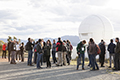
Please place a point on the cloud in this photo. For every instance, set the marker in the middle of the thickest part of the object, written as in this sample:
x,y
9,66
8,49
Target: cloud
x,y
43,18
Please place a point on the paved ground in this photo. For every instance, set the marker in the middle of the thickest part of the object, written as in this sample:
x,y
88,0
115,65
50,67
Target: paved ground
x,y
21,71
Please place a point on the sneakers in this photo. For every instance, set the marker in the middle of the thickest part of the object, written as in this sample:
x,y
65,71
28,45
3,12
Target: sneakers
x,y
19,60
16,61
83,69
109,67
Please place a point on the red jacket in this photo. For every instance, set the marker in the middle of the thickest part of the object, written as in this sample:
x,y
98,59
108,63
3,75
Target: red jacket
x,y
4,47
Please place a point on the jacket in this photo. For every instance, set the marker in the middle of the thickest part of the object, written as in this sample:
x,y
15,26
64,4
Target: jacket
x,y
39,49
54,47
13,46
47,49
81,48
92,48
117,48
4,47
8,46
111,48
29,45
59,46
102,48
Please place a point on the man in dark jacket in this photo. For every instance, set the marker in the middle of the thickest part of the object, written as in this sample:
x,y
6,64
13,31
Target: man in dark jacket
x,y
29,47
81,53
102,54
111,49
39,53
117,55
9,50
59,52
13,49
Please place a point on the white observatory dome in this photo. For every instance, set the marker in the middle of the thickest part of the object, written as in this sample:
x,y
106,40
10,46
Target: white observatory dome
x,y
97,27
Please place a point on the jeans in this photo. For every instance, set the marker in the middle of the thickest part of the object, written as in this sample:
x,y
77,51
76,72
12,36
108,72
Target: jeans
x,y
30,57
35,57
38,60
93,61
89,60
110,56
83,59
54,56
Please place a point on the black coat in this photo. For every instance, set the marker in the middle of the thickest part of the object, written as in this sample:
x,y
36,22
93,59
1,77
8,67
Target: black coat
x,y
39,48
102,48
111,48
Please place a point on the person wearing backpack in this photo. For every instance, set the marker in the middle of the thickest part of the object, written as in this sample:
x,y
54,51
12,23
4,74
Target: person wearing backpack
x,y
64,52
93,52
59,52
39,50
81,53
111,49
68,56
102,54
29,47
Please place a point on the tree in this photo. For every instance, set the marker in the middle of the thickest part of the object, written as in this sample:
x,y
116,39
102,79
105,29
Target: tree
x,y
9,38
14,38
1,43
19,40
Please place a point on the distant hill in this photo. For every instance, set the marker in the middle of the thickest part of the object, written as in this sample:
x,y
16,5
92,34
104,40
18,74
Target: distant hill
x,y
73,39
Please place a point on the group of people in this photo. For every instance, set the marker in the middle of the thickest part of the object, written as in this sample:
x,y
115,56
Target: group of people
x,y
42,52
15,50
93,50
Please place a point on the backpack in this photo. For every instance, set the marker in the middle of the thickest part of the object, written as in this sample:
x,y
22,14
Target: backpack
x,y
26,47
59,46
64,49
98,49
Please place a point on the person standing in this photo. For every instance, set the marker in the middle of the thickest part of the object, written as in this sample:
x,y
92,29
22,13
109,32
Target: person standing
x,y
89,55
64,52
18,51
39,50
4,50
35,52
13,51
54,52
47,54
68,56
81,53
9,50
102,54
117,55
111,49
29,47
93,52
59,52
22,51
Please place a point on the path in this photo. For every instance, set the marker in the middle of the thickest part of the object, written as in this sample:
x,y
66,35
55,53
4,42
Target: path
x,y
21,71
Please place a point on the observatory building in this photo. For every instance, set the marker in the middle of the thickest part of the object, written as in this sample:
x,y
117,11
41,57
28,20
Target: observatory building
x,y
97,27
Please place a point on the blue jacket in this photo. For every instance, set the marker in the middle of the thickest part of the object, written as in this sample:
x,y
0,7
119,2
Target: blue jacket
x,y
111,48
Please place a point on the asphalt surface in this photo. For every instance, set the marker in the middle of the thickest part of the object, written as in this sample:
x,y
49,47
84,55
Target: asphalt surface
x,y
21,71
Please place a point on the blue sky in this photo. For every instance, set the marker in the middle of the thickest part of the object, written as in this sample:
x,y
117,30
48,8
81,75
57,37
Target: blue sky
x,y
52,18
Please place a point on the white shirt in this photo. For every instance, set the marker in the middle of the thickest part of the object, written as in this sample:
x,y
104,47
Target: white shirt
x,y
17,47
